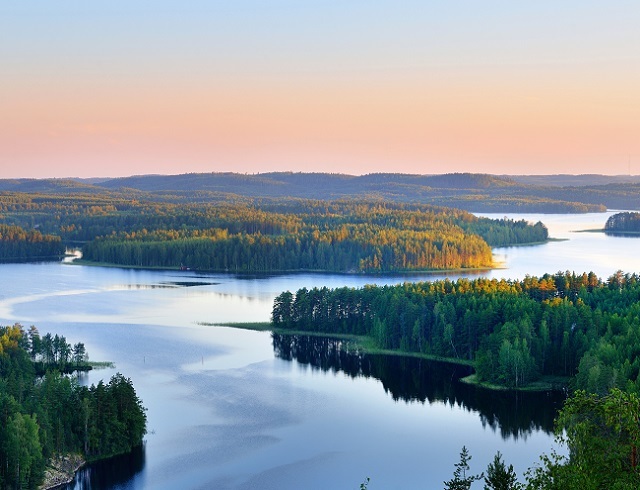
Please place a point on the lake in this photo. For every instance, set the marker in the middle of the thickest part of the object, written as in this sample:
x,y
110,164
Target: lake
x,y
236,409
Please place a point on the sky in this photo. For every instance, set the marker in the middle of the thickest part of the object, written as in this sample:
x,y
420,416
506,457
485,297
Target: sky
x,y
108,88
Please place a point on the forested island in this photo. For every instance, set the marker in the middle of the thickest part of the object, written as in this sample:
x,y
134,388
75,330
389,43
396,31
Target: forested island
x,y
320,236
46,415
513,332
626,222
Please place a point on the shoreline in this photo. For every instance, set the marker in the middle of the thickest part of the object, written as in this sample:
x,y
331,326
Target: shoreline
x,y
91,263
364,344
610,232
78,260
61,470
545,383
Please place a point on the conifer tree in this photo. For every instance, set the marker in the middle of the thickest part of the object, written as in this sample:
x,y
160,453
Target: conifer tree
x,y
460,480
500,477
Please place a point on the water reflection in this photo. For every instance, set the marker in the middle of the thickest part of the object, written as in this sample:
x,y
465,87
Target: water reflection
x,y
622,235
117,472
161,285
514,414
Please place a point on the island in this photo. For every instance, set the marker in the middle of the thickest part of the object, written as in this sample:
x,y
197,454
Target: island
x,y
623,223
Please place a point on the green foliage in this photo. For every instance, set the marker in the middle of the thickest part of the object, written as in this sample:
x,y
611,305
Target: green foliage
x,y
115,418
40,417
553,473
342,237
564,324
501,477
461,480
53,352
602,434
18,244
623,223
23,452
266,235
506,232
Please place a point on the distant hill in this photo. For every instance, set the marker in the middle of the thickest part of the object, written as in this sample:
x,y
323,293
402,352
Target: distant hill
x,y
471,192
300,183
48,186
583,180
397,187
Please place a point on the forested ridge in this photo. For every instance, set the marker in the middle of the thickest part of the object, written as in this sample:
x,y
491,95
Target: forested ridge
x,y
43,416
269,235
513,331
472,192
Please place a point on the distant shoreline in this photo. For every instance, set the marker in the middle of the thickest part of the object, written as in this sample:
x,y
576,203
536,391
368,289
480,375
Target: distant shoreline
x,y
610,232
290,271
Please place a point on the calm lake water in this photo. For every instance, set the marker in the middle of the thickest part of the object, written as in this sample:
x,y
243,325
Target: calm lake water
x,y
234,409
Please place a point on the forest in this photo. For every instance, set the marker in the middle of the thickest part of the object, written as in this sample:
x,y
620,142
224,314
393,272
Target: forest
x,y
17,244
513,332
337,237
47,414
626,222
271,235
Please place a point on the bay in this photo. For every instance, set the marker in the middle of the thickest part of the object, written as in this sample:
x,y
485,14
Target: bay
x,y
235,409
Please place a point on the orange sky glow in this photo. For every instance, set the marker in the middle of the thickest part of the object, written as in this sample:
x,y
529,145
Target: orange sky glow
x,y
426,113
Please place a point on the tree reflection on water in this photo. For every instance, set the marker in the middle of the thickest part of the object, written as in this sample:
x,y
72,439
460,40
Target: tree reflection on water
x,y
515,414
118,471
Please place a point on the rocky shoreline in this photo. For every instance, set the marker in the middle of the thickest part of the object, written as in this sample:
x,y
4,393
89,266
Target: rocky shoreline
x,y
61,470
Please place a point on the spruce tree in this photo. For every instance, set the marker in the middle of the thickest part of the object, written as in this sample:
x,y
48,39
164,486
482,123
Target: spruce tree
x,y
460,479
499,477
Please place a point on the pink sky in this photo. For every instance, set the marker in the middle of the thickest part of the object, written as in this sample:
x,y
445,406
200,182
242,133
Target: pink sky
x,y
115,91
